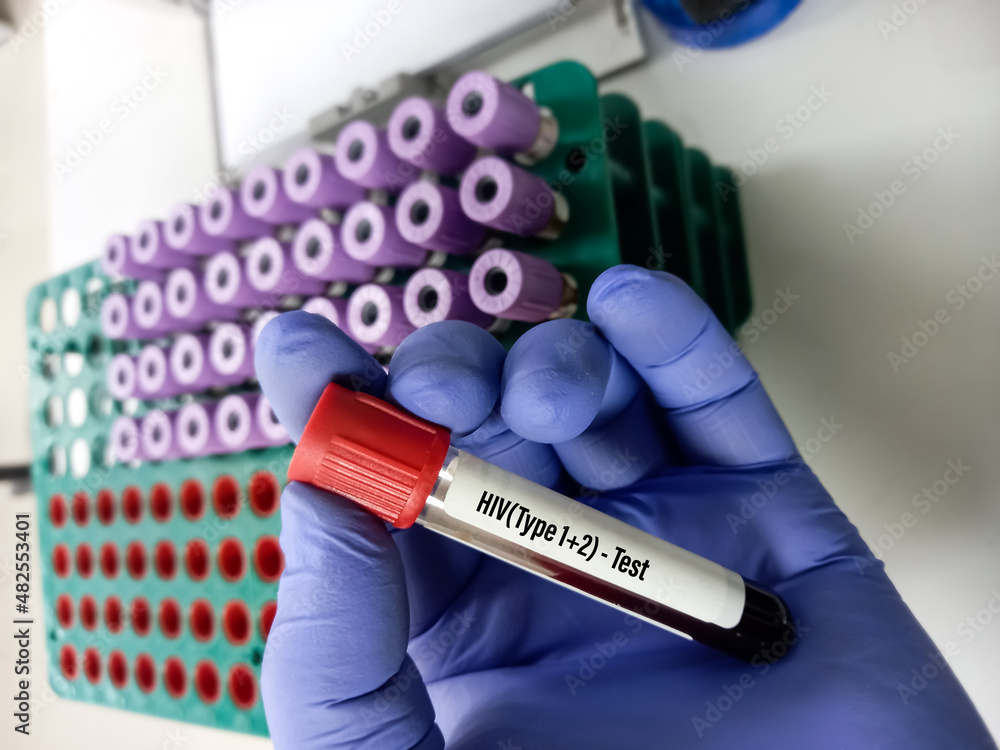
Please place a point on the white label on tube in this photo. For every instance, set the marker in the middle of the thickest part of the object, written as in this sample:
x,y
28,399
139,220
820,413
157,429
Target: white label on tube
x,y
592,542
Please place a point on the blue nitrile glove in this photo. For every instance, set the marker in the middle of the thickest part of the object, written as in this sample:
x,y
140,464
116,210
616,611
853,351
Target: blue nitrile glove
x,y
379,633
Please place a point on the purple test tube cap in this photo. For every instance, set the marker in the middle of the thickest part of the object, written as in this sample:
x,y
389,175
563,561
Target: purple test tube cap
x,y
493,114
124,445
270,270
121,377
420,134
223,216
117,261
149,248
515,285
318,252
370,235
363,155
500,195
196,430
184,233
431,216
263,197
312,179
230,352
116,319
435,294
375,316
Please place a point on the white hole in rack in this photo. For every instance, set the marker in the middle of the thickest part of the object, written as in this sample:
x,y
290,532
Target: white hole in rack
x,y
94,285
130,406
57,461
73,362
76,407
70,307
79,458
54,411
48,315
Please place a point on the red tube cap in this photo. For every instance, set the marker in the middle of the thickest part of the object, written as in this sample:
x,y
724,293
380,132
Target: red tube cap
x,y
375,454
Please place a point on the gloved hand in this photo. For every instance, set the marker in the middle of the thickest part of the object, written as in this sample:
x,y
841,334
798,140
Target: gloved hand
x,y
658,414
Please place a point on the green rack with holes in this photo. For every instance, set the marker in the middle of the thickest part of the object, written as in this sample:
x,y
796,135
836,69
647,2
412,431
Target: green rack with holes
x,y
159,580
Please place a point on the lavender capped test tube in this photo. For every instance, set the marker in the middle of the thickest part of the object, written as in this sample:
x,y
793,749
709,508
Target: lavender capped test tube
x,y
419,133
187,300
370,234
333,309
312,179
116,318
150,248
230,353
226,282
158,436
117,262
318,252
431,216
184,233
375,316
270,429
223,216
149,310
263,197
153,376
121,377
191,367
498,116
270,270
363,155
196,430
505,197
518,286
236,424
124,445
434,294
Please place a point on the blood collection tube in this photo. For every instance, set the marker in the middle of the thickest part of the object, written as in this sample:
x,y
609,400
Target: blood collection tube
x,y
190,366
226,282
519,286
150,248
230,354
116,318
270,270
121,377
149,310
318,252
363,155
124,445
236,423
196,431
117,262
404,470
498,116
312,179
370,235
500,195
157,434
263,197
187,300
434,294
184,233
333,309
375,316
266,421
153,375
419,133
223,216
431,216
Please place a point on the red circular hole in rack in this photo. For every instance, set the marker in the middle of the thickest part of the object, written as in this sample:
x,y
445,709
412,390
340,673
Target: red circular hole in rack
x,y
264,493
139,614
92,665
88,612
84,560
117,669
206,681
161,502
201,620
67,662
61,560
226,497
81,508
267,613
132,504
236,622
64,611
105,507
196,559
232,561
170,618
268,560
165,559
242,686
113,614
192,500
174,677
145,673
58,510
109,560
135,559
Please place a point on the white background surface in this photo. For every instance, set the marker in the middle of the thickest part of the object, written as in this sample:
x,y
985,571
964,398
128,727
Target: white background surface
x,y
826,358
